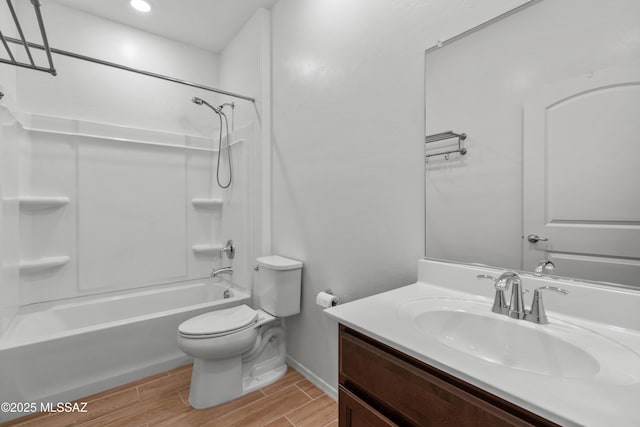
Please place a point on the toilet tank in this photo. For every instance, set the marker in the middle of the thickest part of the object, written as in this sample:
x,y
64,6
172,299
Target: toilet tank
x,y
279,284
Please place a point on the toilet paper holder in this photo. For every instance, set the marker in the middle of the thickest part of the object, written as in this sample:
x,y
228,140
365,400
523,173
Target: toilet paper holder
x,y
326,299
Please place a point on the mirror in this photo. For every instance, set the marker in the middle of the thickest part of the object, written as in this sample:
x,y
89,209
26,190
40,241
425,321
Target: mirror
x,y
548,97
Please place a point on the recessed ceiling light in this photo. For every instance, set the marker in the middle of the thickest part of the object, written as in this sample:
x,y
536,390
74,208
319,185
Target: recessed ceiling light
x,y
140,5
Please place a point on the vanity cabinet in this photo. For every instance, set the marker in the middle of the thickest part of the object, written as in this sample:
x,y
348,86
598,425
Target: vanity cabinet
x,y
380,386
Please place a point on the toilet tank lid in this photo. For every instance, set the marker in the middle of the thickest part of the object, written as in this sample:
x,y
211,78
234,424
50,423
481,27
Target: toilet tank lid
x,y
277,262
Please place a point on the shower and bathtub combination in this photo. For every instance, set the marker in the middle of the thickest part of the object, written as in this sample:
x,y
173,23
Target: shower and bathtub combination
x,y
58,352
85,325
113,219
85,337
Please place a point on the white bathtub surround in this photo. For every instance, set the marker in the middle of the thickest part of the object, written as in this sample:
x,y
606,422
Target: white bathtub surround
x,y
66,350
84,230
9,212
84,227
594,331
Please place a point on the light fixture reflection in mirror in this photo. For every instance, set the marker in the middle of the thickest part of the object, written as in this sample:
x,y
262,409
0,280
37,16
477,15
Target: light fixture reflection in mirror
x,y
141,5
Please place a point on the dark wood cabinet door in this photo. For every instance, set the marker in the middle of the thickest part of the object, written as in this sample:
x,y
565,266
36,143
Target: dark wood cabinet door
x,y
412,393
354,412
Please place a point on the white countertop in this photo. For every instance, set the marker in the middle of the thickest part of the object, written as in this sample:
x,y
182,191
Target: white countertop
x,y
611,397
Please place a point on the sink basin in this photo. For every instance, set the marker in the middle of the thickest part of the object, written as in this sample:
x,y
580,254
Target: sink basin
x,y
470,327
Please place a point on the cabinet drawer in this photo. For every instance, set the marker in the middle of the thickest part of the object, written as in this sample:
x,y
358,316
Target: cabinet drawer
x,y
413,393
354,412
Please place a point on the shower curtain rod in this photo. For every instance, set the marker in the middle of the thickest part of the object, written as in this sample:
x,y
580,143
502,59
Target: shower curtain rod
x,y
130,69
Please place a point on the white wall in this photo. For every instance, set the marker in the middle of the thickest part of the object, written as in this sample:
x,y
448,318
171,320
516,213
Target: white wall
x,y
242,67
92,92
348,154
474,203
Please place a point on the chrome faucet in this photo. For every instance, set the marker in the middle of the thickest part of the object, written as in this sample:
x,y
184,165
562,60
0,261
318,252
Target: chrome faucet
x,y
516,308
223,270
544,267
516,304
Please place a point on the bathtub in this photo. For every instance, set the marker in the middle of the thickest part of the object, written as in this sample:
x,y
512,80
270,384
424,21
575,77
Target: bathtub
x,y
64,350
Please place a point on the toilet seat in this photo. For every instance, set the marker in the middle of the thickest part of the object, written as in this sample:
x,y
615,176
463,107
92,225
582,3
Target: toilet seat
x,y
219,323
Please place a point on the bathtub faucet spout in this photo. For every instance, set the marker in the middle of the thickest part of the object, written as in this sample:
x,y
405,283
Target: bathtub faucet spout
x,y
223,270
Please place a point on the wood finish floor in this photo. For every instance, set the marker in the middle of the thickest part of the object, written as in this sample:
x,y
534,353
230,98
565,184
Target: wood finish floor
x,y
162,400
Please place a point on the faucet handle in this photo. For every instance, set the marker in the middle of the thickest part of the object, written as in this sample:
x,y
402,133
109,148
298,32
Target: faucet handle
x,y
229,249
554,289
544,267
499,284
537,313
499,301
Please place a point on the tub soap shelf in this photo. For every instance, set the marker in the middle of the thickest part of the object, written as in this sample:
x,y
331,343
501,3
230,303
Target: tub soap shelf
x,y
206,203
42,203
206,249
43,264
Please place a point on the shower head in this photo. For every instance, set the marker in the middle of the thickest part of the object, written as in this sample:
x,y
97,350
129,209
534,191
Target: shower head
x,y
201,101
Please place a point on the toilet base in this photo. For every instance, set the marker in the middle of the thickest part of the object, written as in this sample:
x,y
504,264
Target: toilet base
x,y
215,382
250,384
221,381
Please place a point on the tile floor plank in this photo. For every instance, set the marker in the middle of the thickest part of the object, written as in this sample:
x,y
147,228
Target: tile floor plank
x,y
98,408
123,387
264,410
280,422
193,417
318,412
310,389
162,400
44,421
160,410
165,386
131,416
291,377
24,420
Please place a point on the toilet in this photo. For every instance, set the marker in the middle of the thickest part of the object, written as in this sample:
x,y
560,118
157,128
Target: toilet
x,y
238,350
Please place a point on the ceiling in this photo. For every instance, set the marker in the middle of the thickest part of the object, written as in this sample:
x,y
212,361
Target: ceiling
x,y
208,24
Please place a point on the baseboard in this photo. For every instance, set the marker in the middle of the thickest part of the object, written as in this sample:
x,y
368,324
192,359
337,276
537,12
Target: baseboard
x,y
316,380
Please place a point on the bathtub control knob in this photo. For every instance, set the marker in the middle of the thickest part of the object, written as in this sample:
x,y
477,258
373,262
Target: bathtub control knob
x,y
228,249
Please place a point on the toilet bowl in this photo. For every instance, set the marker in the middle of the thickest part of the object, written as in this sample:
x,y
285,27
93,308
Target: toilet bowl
x,y
238,350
